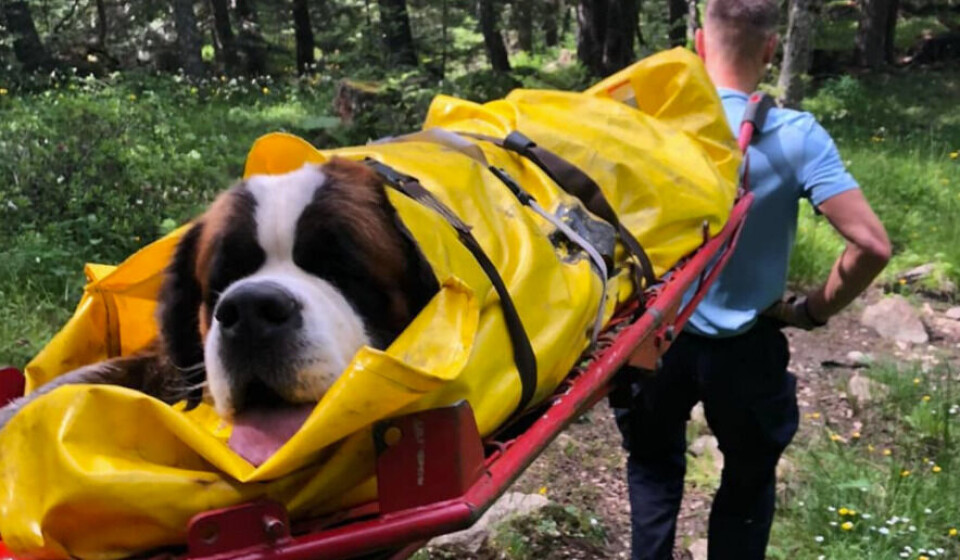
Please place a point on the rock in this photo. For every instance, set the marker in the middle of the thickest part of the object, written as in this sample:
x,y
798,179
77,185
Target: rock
x,y
698,550
859,358
509,505
708,444
952,313
947,328
863,390
895,319
917,273
698,417
785,469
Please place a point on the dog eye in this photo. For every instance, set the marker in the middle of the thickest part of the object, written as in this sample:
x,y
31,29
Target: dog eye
x,y
236,258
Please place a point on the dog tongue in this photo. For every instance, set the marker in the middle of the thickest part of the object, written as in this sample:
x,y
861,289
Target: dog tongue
x,y
258,434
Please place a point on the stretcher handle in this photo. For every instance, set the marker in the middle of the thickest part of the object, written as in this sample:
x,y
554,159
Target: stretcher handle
x,y
754,117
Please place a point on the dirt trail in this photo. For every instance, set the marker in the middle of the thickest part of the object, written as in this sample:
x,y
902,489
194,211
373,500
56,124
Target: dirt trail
x,y
585,466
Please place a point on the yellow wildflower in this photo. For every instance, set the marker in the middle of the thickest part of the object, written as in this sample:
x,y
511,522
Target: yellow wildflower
x,y
132,97
3,91
846,526
905,473
952,532
922,557
855,435
916,380
936,469
836,437
843,511
871,448
926,398
954,155
852,512
266,91
887,452
543,491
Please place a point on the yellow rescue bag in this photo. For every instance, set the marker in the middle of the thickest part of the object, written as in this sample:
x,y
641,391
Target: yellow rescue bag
x,y
105,472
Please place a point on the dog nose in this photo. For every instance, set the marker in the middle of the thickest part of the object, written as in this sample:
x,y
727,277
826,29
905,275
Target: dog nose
x,y
258,311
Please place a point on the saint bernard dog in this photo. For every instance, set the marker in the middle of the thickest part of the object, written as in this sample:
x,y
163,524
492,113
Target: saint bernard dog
x,y
269,295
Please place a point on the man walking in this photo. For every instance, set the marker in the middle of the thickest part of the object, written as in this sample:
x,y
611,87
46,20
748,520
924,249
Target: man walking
x,y
732,355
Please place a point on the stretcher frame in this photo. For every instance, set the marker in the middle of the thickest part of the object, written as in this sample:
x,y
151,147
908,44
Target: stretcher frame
x,y
436,475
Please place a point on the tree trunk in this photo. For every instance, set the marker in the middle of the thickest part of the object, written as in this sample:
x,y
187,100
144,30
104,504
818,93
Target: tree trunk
x,y
524,11
250,39
303,33
873,32
27,46
606,34
678,22
395,28
797,51
224,35
102,25
892,31
188,37
551,11
492,39
693,20
622,16
592,28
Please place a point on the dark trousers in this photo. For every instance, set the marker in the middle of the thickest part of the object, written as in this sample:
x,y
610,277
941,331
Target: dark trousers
x,y
749,399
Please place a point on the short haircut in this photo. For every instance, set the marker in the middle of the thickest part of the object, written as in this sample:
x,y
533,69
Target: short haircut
x,y
743,26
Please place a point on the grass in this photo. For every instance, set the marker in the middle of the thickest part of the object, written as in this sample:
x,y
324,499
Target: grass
x,y
899,135
890,491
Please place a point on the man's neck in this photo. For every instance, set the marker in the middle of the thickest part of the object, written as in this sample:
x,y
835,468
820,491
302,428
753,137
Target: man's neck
x,y
744,80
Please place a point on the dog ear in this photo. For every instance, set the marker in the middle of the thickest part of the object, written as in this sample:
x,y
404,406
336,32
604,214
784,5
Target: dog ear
x,y
179,315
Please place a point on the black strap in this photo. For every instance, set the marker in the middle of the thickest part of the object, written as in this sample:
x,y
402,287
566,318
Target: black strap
x,y
575,182
523,354
758,105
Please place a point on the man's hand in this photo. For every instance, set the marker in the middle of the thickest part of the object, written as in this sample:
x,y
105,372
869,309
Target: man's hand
x,y
792,311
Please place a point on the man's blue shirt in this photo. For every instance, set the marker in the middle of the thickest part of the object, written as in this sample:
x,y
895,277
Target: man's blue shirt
x,y
793,158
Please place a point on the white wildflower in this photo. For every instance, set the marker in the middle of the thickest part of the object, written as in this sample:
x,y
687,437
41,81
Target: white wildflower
x,y
818,538
883,531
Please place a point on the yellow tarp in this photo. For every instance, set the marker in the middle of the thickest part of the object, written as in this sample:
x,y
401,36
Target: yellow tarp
x,y
103,472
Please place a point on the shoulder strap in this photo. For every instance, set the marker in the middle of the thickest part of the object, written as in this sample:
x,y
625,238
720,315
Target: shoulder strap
x,y
754,116
751,125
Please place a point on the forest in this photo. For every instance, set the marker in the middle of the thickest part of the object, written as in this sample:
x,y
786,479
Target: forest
x,y
122,119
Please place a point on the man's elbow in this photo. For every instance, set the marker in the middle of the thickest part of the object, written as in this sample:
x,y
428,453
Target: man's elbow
x,y
876,251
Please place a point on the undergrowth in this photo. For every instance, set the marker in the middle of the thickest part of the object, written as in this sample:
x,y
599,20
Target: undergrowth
x,y
890,490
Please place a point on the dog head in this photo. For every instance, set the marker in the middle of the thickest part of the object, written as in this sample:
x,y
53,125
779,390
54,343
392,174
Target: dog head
x,y
283,279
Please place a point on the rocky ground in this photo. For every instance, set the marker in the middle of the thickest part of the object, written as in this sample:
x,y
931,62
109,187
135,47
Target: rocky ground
x,y
580,478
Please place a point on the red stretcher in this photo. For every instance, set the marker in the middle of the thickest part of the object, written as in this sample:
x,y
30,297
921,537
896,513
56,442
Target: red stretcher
x,y
435,474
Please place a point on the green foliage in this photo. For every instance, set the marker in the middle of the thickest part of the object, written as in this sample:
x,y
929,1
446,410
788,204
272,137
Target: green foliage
x,y
897,134
533,536
896,485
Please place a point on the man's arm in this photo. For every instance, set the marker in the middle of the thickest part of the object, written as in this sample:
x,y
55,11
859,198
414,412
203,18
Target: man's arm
x,y
867,253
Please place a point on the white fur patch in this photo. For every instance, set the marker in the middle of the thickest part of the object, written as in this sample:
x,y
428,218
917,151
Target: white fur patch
x,y
332,331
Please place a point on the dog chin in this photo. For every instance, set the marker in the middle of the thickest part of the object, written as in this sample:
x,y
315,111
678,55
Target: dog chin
x,y
261,429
